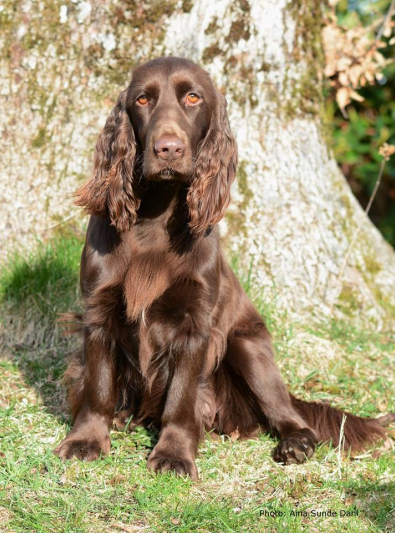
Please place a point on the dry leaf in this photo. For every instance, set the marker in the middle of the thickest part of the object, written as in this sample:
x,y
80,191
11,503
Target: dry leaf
x,y
387,150
135,528
356,96
234,435
352,57
343,97
382,405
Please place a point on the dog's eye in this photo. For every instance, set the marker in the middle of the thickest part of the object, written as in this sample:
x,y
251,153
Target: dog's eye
x,y
143,100
192,99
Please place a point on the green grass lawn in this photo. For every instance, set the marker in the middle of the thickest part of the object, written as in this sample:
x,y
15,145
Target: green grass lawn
x,y
240,487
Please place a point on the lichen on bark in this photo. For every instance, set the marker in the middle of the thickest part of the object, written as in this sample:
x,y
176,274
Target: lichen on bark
x,y
293,215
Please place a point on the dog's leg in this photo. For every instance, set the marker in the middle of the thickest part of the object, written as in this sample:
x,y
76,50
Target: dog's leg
x,y
251,357
93,397
178,329
181,421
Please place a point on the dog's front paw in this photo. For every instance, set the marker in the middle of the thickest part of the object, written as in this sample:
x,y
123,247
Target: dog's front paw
x,y
294,449
162,461
84,446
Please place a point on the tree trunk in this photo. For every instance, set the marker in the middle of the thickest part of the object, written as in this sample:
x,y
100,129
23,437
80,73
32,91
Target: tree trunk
x,y
293,216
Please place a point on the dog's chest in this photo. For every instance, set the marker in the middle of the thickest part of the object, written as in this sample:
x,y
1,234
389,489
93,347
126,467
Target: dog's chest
x,y
152,268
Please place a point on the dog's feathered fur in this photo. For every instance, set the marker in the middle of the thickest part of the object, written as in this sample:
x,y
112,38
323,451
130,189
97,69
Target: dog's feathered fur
x,y
169,333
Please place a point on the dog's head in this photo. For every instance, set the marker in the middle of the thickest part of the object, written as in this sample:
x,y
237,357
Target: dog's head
x,y
169,124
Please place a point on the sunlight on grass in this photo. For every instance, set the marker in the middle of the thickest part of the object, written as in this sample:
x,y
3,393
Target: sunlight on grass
x,y
240,487
49,275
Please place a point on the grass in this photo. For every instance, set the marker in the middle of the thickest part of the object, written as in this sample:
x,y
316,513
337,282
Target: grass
x,y
240,487
35,288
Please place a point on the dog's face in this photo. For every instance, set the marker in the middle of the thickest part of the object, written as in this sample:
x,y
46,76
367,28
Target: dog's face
x,y
170,103
169,124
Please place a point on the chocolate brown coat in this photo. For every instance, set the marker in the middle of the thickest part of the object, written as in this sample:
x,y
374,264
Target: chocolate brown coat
x,y
169,334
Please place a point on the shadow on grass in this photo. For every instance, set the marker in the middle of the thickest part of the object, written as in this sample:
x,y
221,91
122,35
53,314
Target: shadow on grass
x,y
35,288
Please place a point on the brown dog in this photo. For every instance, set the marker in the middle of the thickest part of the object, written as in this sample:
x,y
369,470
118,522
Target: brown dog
x,y
169,333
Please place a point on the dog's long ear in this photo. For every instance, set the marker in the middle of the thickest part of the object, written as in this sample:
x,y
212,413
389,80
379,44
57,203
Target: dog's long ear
x,y
209,193
112,190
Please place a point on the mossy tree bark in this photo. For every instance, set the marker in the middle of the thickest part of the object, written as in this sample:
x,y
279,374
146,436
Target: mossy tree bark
x,y
293,215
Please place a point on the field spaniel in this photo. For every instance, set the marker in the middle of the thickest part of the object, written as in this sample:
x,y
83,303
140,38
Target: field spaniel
x,y
170,337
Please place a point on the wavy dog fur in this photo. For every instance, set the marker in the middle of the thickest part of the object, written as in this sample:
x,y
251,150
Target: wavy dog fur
x,y
169,334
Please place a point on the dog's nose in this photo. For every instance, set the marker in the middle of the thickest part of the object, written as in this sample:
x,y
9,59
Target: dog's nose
x,y
169,147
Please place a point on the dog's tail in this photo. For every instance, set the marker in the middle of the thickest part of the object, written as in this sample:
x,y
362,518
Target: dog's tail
x,y
358,432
